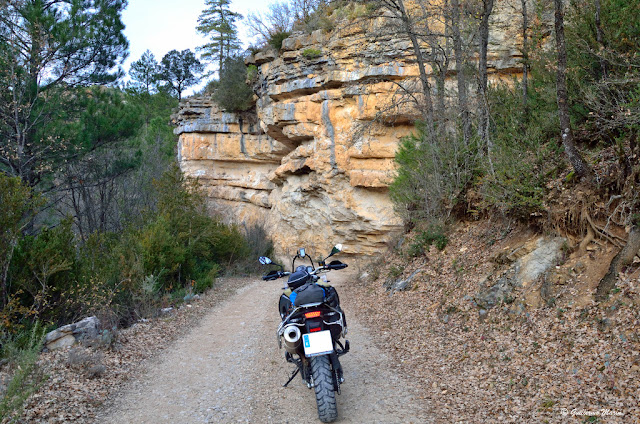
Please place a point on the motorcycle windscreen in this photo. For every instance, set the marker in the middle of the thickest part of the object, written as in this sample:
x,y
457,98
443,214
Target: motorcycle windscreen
x,y
319,343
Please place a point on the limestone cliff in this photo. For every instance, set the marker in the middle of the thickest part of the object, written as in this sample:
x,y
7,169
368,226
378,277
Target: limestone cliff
x,y
313,160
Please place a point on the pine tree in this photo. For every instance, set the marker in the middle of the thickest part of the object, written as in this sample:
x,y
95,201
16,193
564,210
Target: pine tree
x,y
46,49
144,72
180,70
218,22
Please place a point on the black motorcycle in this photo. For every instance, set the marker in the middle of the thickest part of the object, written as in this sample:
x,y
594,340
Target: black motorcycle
x,y
312,324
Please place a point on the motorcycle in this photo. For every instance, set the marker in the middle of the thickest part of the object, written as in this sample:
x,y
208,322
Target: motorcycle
x,y
312,324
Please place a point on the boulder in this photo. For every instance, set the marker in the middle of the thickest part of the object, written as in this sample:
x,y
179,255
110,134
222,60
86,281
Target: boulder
x,y
543,255
403,284
65,336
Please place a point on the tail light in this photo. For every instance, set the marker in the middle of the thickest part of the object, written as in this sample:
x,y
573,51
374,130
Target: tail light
x,y
314,314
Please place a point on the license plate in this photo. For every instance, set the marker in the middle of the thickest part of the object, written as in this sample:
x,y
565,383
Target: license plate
x,y
319,343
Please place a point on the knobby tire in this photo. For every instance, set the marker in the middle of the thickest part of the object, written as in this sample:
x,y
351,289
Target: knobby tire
x,y
325,396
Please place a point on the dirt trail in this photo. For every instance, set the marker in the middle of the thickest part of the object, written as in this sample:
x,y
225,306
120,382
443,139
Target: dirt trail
x,y
229,369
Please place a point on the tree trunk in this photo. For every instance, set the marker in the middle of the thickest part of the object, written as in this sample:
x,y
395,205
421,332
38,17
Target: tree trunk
x,y
463,102
623,258
525,61
580,167
6,263
483,101
424,80
600,39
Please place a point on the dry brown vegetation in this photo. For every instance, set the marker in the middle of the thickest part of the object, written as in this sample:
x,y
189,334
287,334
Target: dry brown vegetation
x,y
530,358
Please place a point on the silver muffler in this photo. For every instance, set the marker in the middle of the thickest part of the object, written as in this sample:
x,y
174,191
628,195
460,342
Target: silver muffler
x,y
292,338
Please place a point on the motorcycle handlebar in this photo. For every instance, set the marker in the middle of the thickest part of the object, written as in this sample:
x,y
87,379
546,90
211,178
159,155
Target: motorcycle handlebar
x,y
334,265
274,275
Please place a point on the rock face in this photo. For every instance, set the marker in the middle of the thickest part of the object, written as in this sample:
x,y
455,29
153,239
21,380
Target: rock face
x,y
533,261
312,162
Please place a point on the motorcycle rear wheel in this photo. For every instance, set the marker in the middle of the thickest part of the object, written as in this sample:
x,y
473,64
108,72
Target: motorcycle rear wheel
x,y
325,395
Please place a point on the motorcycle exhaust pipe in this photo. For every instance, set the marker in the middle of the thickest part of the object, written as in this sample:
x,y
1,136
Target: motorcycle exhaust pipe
x,y
292,338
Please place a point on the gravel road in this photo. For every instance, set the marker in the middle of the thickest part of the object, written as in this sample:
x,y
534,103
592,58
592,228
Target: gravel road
x,y
229,369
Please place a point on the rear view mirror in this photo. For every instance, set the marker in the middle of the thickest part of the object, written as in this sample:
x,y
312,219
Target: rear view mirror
x,y
264,260
336,249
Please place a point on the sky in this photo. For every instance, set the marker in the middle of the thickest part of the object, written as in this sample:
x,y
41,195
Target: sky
x,y
165,25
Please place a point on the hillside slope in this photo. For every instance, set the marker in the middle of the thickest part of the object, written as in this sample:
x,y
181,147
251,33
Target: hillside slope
x,y
543,351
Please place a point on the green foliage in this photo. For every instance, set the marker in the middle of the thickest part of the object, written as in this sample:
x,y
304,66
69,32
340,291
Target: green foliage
x,y
126,275
183,244
276,39
105,118
43,268
180,70
252,72
603,77
18,205
395,271
430,177
620,35
354,10
233,94
109,242
434,178
45,49
218,23
144,73
259,244
211,87
311,53
21,353
317,20
424,239
521,150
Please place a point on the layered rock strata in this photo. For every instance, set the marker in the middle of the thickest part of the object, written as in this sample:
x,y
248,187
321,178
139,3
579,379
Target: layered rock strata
x,y
313,160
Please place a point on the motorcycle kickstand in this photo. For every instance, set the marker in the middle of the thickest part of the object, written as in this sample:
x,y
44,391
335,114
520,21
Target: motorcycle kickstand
x,y
292,377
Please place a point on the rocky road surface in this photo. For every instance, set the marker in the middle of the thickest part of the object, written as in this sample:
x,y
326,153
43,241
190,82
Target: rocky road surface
x,y
229,369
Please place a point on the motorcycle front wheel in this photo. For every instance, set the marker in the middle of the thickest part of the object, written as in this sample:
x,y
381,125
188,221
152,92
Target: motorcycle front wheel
x,y
323,381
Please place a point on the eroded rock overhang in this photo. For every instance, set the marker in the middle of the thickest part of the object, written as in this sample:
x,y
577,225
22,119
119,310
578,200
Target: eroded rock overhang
x,y
312,161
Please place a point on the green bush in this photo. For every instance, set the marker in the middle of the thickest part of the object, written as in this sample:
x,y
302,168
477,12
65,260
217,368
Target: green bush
x,y
311,53
206,281
20,352
276,39
232,93
16,211
603,76
259,244
183,245
431,176
125,276
424,239
44,269
252,73
522,156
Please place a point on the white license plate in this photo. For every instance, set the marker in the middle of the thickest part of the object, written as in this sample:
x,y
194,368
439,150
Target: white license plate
x,y
319,343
